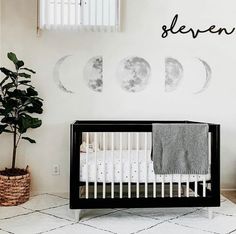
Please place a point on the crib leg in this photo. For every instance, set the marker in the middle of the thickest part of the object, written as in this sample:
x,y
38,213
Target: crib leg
x,y
77,215
210,213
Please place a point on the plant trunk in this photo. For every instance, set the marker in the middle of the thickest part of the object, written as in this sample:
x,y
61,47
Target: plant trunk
x,y
14,149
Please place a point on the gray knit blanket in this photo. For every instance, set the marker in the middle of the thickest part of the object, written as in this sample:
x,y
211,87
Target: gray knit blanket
x,y
180,148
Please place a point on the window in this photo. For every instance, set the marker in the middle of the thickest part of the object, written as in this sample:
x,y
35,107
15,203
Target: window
x,y
92,15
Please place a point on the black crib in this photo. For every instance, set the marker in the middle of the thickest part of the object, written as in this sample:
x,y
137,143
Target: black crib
x,y
78,200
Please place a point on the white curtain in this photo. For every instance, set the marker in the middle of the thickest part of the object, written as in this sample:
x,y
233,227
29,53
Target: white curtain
x,y
86,15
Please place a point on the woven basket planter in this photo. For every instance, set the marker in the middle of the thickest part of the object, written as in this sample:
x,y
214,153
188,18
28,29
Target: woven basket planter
x,y
14,190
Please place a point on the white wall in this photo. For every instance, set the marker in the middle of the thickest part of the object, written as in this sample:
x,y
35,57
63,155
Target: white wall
x,y
142,21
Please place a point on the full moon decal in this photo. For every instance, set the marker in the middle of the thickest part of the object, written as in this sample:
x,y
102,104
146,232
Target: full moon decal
x,y
133,74
93,73
173,74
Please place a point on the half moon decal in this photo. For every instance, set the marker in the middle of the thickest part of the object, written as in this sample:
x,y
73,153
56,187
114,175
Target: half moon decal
x,y
173,74
133,74
208,76
93,73
56,75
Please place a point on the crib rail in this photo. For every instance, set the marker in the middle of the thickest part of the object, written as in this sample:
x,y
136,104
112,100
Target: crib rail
x,y
161,191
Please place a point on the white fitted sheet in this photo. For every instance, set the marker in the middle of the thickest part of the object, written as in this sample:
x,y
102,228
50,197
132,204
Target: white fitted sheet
x,y
135,176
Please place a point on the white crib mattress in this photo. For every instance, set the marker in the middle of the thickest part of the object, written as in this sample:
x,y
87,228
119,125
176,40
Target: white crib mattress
x,y
135,174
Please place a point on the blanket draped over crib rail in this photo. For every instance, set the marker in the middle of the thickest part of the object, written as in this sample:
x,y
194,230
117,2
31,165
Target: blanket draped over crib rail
x,y
180,148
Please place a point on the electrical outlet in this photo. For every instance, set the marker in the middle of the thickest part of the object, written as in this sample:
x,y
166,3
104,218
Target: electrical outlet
x,y
56,169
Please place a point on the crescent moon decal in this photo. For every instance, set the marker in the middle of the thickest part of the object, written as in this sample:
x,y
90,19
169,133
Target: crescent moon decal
x,y
56,75
173,74
208,76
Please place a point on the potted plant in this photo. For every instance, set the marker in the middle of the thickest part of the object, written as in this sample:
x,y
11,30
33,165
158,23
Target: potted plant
x,y
18,101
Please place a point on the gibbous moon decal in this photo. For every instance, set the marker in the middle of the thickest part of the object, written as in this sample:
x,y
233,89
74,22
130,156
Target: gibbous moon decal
x,y
56,75
208,76
173,74
133,74
93,73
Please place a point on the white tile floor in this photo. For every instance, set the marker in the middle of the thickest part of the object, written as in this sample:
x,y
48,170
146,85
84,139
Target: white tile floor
x,y
49,213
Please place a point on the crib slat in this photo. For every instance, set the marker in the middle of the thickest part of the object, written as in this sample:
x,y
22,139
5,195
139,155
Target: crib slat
x,y
171,186
195,186
162,186
104,165
121,166
154,187
187,186
179,186
112,150
137,156
146,165
129,171
95,179
155,176
87,167
204,187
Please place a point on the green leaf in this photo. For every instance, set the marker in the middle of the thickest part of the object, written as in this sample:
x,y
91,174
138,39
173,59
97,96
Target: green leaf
x,y
26,122
19,64
34,107
2,128
27,69
8,120
5,112
31,92
18,93
24,82
29,139
9,105
5,71
24,75
12,57
3,81
8,86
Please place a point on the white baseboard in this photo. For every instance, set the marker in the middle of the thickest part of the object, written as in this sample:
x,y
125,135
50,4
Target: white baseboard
x,y
227,189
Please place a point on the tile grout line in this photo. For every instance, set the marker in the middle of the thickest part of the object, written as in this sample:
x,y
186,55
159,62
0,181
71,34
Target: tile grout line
x,y
145,229
46,208
15,216
53,207
143,216
230,215
172,221
55,216
97,228
232,231
164,221
53,229
194,228
6,231
112,212
55,195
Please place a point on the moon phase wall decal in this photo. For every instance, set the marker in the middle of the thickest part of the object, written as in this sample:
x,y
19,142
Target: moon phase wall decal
x,y
133,74
93,73
173,74
208,76
56,75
